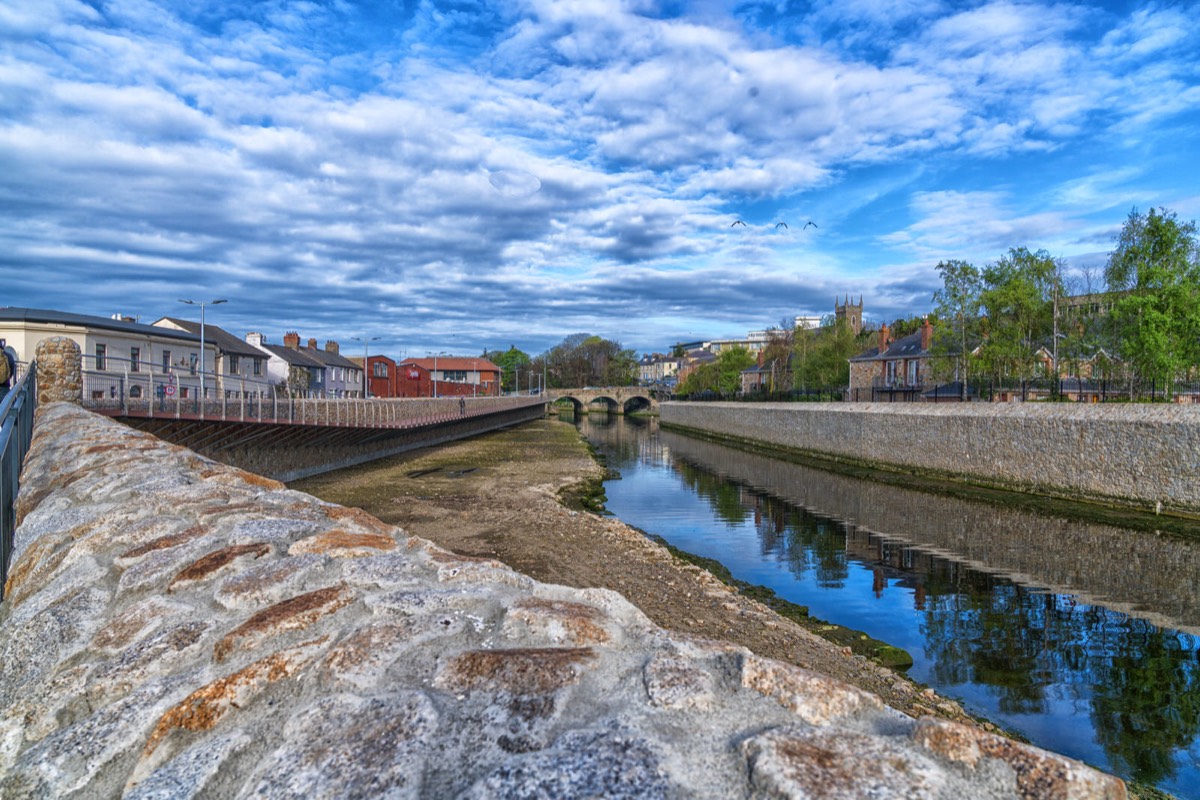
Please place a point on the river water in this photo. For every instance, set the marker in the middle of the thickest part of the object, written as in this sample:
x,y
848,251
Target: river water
x,y
1084,638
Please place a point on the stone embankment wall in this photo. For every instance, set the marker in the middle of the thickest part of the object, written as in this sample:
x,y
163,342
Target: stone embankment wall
x,y
174,628
1131,454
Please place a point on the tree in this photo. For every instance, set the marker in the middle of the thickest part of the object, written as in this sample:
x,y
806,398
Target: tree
x,y
779,346
828,356
582,359
729,366
1019,296
958,303
723,376
1155,273
509,361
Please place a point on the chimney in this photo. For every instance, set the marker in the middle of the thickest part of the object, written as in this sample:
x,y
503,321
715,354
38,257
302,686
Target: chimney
x,y
883,339
291,339
331,346
926,334
256,339
312,344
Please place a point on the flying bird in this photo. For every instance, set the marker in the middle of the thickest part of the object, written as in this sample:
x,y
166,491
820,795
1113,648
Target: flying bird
x,y
810,222
738,222
784,224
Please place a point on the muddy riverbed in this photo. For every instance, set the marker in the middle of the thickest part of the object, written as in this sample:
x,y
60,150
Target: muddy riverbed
x,y
522,496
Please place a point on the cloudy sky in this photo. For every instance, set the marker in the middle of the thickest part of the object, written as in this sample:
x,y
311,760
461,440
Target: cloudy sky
x,y
449,176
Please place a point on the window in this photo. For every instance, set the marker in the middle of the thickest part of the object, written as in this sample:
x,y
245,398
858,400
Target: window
x,y
379,369
233,365
890,372
456,375
135,359
256,367
166,360
912,372
101,357
192,363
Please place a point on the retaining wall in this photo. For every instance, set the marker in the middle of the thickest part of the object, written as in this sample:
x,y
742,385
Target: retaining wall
x,y
174,627
1131,454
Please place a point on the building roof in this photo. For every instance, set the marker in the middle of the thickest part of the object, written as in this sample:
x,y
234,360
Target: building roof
x,y
224,341
298,358
904,347
452,362
330,359
45,316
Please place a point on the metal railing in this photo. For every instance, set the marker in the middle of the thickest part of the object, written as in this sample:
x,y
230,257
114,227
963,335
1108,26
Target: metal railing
x,y
16,432
120,388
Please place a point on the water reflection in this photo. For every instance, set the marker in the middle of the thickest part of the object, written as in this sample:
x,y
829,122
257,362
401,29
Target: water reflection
x,y
1079,635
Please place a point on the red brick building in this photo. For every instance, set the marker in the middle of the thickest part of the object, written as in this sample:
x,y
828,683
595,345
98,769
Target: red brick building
x,y
454,376
381,376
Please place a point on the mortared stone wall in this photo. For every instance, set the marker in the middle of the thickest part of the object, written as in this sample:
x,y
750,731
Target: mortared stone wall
x,y
178,628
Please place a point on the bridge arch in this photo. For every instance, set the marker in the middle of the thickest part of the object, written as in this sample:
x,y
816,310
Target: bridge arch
x,y
617,399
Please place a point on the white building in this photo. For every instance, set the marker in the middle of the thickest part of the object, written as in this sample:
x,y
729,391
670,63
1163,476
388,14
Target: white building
x,y
120,357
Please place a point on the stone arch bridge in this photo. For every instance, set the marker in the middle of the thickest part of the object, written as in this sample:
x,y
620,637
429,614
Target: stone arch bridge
x,y
618,399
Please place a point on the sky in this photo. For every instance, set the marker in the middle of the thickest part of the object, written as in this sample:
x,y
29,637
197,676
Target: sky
x,y
416,177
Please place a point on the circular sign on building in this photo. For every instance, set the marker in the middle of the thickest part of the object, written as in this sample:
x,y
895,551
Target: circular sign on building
x,y
170,390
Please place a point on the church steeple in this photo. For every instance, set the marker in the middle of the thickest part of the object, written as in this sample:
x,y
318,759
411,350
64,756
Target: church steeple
x,y
849,311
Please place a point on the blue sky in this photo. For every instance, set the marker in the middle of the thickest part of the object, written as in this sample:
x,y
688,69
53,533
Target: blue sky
x,y
454,176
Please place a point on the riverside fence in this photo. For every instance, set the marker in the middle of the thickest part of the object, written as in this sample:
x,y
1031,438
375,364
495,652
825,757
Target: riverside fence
x,y
120,388
16,432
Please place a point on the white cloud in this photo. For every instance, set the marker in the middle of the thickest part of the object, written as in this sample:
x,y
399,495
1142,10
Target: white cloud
x,y
257,145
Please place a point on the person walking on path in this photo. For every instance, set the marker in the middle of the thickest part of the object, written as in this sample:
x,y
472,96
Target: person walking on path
x,y
462,406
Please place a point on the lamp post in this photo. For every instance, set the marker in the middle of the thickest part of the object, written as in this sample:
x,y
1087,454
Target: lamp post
x,y
366,381
202,305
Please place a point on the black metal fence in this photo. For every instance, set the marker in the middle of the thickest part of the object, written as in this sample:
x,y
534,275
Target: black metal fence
x,y
822,394
16,431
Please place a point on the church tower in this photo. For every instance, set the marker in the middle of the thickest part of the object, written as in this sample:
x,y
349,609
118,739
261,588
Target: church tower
x,y
850,312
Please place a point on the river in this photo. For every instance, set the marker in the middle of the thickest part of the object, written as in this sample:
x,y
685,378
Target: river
x,y
1082,637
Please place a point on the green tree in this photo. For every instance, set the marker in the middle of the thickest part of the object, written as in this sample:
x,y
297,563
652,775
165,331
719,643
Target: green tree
x,y
1155,273
958,304
1019,298
723,376
509,361
821,357
828,358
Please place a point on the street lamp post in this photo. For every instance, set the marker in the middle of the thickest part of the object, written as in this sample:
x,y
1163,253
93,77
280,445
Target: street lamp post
x,y
366,380
202,305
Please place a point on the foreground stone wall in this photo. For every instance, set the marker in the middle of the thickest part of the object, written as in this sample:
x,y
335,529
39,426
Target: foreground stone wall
x,y
174,627
59,370
1130,453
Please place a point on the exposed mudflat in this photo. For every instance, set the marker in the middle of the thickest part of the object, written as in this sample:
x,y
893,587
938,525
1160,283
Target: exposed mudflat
x,y
517,496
